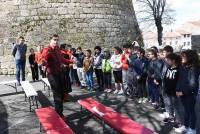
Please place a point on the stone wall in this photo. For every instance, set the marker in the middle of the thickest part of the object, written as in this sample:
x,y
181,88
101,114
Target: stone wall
x,y
83,23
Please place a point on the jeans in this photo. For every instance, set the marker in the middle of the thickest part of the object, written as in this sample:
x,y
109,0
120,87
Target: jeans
x,y
197,109
125,78
20,67
174,107
57,86
89,79
99,76
81,76
189,108
154,91
107,77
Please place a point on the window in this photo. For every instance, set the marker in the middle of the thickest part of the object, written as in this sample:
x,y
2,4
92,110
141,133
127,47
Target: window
x,y
184,35
170,42
188,43
184,44
164,43
176,42
188,35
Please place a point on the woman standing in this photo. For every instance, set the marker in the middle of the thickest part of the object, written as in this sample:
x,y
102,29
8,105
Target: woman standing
x,y
187,89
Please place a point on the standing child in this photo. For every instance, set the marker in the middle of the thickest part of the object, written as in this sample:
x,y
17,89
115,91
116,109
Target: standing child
x,y
117,70
187,89
154,77
172,105
88,69
75,79
34,65
107,71
198,110
141,64
97,67
125,65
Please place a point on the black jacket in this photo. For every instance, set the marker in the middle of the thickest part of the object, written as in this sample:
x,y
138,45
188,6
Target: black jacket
x,y
188,81
170,81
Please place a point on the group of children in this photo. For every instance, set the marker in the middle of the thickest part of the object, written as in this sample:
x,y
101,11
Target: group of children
x,y
162,78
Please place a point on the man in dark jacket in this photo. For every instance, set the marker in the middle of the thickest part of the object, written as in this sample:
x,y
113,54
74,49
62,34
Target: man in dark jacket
x,y
19,53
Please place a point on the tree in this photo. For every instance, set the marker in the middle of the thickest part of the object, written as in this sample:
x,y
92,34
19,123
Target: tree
x,y
156,11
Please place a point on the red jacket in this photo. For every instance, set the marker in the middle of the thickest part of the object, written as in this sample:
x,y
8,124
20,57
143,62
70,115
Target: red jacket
x,y
124,61
53,60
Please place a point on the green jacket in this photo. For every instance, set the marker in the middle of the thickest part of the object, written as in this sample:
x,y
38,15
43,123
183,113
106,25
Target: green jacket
x,y
106,66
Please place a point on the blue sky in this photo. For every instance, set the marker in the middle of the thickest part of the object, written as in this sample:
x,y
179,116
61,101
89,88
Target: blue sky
x,y
186,10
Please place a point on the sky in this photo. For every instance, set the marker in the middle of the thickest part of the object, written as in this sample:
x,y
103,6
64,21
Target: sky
x,y
185,10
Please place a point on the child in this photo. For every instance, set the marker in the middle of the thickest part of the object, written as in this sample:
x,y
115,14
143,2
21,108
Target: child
x,y
34,65
187,89
74,75
88,69
117,70
131,70
125,66
107,71
169,88
79,63
98,57
141,64
154,77
198,110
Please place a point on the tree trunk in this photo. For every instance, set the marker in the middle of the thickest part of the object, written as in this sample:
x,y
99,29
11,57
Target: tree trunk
x,y
159,31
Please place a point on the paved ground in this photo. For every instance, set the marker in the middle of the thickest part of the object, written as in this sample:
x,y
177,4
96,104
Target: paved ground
x,y
15,117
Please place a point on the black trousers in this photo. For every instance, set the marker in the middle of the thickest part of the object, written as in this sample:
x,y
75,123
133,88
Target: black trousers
x,y
142,91
198,114
42,72
99,76
74,76
34,71
107,77
58,88
67,80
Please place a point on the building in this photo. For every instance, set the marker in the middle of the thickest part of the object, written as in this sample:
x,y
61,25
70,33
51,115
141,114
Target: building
x,y
177,39
193,27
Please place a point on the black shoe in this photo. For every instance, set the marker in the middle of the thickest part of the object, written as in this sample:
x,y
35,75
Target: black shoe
x,y
166,120
18,84
82,87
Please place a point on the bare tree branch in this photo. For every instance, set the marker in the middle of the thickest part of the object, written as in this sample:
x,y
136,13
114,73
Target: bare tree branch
x,y
157,11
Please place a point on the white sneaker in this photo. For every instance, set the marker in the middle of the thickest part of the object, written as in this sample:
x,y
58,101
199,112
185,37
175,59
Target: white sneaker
x,y
181,129
121,92
191,131
109,90
140,101
116,91
164,115
144,100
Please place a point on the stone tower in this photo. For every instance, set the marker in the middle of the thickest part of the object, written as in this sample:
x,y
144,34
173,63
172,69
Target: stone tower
x,y
83,23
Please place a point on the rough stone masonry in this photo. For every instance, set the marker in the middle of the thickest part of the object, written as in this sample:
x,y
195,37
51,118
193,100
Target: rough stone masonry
x,y
83,23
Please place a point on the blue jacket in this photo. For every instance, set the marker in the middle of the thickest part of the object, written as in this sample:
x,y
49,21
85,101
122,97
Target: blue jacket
x,y
188,81
19,51
155,69
140,67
